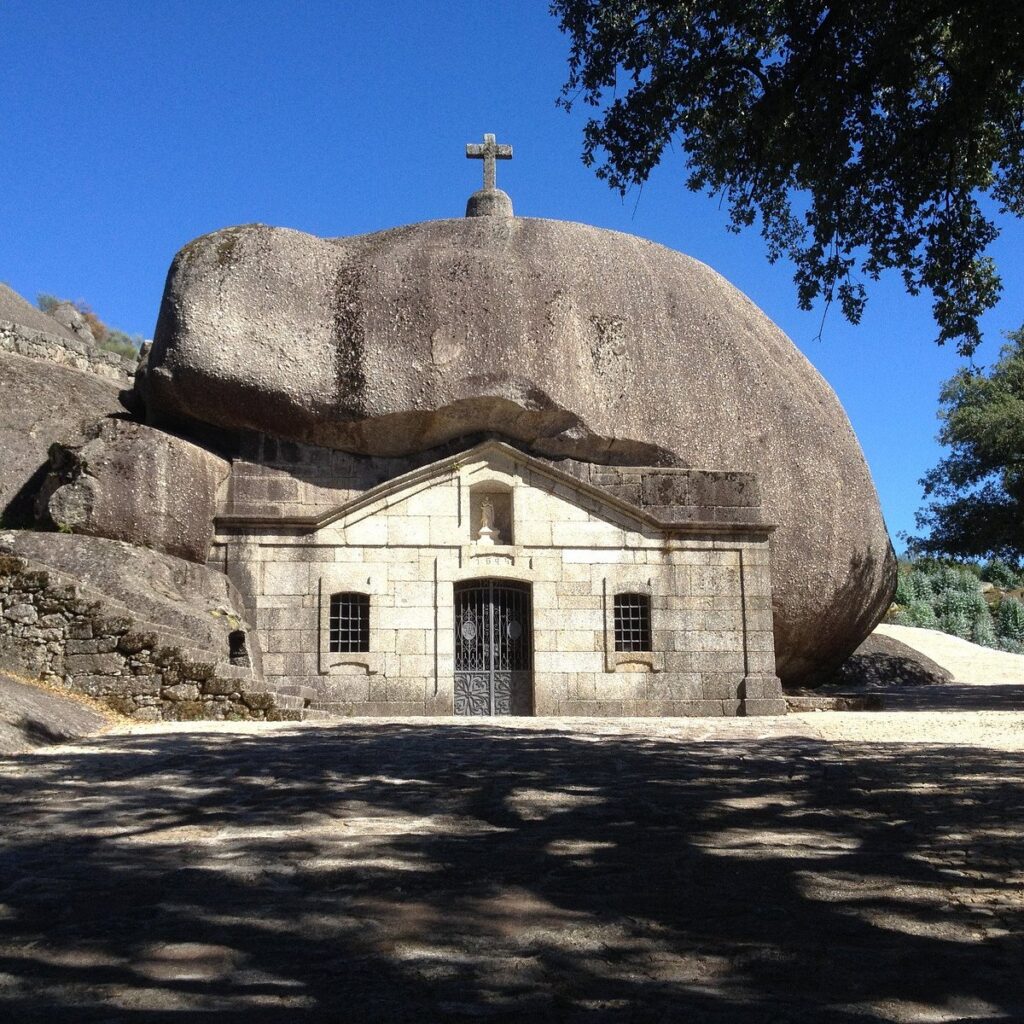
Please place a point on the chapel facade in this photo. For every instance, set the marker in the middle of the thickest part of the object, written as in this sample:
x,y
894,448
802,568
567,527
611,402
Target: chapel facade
x,y
493,582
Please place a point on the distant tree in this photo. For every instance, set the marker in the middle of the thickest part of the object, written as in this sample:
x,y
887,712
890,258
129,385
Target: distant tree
x,y
863,135
978,489
47,303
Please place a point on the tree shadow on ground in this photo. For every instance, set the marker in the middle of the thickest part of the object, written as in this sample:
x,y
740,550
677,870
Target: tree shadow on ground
x,y
408,872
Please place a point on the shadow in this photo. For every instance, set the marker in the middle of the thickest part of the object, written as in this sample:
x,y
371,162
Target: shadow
x,y
957,697
401,871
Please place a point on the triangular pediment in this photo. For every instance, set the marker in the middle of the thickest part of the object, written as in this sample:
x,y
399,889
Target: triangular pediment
x,y
492,461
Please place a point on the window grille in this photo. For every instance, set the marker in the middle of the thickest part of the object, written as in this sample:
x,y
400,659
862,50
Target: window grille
x,y
632,622
350,623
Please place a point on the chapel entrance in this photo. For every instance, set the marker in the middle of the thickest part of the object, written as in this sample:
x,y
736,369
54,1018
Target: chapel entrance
x,y
493,648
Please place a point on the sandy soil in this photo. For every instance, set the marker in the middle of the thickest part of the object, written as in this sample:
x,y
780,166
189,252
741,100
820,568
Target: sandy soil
x,y
969,663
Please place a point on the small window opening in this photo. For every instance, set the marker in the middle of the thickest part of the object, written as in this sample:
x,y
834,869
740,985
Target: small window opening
x,y
350,623
632,622
238,653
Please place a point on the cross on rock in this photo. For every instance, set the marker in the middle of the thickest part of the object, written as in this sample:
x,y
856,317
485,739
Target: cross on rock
x,y
488,151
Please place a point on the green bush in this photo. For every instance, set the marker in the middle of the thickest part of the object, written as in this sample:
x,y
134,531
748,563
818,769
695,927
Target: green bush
x,y
125,345
917,613
954,579
984,630
1010,620
1003,575
955,623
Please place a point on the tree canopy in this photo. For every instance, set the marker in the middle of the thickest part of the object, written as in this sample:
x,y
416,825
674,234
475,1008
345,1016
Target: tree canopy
x,y
978,490
867,137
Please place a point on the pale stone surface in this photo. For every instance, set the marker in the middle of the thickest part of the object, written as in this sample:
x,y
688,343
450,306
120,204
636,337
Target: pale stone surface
x,y
710,597
133,483
42,403
571,340
33,716
966,662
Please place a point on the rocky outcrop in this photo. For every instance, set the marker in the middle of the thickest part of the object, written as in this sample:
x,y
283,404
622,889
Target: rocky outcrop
x,y
71,319
16,310
42,403
136,484
33,716
147,635
567,339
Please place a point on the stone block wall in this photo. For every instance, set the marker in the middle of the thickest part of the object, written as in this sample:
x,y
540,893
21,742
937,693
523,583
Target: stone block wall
x,y
712,650
62,632
26,341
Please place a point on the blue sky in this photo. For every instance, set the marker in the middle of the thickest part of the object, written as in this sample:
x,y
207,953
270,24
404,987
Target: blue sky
x,y
130,128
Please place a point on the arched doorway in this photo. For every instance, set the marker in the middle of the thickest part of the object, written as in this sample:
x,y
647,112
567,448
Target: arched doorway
x,y
493,648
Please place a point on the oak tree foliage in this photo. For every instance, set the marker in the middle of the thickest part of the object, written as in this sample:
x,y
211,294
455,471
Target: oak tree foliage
x,y
977,491
866,137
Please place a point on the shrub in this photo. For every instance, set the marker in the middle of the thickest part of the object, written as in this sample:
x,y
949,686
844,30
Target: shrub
x,y
955,623
125,345
1003,575
954,579
917,613
984,631
1010,620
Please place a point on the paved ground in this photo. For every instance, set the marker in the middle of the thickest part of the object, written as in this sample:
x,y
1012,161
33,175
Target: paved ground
x,y
831,867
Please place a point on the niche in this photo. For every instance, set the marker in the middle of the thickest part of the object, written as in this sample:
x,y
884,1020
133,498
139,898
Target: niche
x,y
238,653
490,514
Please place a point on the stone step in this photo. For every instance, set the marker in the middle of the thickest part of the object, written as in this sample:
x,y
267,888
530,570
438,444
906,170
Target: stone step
x,y
336,709
288,702
307,693
313,715
285,715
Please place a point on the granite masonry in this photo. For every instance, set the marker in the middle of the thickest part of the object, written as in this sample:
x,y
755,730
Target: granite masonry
x,y
554,553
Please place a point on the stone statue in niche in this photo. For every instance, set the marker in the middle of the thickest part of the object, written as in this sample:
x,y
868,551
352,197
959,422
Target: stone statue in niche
x,y
486,532
490,517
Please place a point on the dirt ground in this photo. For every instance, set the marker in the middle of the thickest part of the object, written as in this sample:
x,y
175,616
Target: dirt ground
x,y
836,867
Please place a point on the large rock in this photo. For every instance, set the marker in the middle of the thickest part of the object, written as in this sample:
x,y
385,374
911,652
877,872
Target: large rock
x,y
34,716
133,483
573,340
41,403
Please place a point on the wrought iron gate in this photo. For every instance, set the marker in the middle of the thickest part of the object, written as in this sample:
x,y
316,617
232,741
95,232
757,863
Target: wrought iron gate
x,y
493,648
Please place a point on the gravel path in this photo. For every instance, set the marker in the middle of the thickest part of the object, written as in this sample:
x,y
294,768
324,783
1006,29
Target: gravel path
x,y
831,867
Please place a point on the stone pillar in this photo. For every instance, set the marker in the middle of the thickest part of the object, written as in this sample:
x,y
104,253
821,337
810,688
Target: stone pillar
x,y
761,691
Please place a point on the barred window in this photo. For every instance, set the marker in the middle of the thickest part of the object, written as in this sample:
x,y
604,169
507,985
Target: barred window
x,y
350,623
632,622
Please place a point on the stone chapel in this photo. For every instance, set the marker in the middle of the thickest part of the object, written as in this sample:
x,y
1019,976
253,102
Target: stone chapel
x,y
499,465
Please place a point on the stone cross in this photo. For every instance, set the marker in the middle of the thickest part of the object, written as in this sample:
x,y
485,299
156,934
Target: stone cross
x,y
488,151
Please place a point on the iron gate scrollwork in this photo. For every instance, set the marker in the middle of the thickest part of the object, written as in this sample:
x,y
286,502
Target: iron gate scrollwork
x,y
492,648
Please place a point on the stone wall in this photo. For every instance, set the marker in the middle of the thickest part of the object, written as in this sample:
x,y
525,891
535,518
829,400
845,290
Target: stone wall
x,y
36,344
59,630
712,651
